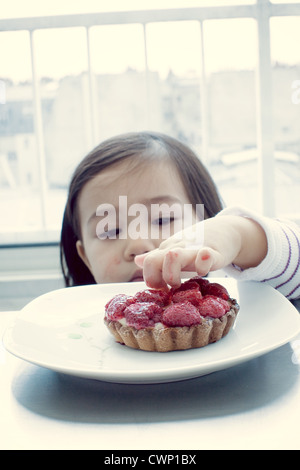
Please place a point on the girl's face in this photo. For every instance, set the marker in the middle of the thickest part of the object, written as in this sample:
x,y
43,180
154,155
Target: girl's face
x,y
109,241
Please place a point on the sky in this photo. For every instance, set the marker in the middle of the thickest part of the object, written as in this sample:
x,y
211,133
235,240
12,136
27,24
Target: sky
x,y
61,52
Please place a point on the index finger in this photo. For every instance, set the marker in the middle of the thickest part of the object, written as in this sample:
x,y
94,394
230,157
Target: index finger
x,y
152,269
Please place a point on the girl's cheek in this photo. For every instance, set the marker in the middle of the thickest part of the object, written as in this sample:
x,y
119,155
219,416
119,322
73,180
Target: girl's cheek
x,y
116,260
111,270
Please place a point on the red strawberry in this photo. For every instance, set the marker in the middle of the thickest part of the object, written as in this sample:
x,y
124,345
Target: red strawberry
x,y
187,285
143,314
181,314
159,297
114,309
202,283
217,290
214,307
193,295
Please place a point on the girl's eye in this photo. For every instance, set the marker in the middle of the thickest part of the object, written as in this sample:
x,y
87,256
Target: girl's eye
x,y
163,220
110,234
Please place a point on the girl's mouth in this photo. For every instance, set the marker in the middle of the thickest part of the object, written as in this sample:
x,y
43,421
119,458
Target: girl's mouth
x,y
137,276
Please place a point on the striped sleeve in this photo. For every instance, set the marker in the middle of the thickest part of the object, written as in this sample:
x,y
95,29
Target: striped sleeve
x,y
281,266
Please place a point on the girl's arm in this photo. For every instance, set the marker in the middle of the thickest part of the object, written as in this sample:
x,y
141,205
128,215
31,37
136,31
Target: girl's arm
x,y
226,240
248,246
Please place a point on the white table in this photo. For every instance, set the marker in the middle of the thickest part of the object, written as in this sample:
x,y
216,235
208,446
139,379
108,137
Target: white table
x,y
255,405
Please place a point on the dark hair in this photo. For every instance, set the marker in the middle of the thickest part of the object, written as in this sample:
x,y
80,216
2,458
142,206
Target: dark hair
x,y
198,184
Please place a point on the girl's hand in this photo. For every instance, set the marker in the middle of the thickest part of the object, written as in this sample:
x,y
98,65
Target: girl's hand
x,y
226,240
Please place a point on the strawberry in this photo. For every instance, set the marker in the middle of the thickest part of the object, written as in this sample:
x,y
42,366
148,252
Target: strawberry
x,y
114,309
143,314
193,296
202,283
181,314
159,297
217,290
187,285
212,306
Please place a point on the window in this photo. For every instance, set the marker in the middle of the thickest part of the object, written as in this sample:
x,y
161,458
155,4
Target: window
x,y
190,69
286,105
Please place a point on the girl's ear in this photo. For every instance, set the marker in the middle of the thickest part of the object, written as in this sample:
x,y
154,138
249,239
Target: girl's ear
x,y
81,253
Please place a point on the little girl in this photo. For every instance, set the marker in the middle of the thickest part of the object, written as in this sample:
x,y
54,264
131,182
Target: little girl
x,y
147,170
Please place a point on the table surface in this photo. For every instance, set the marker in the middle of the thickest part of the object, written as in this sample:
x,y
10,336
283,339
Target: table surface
x,y
255,405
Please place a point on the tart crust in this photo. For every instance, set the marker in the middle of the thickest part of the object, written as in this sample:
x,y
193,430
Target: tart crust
x,y
167,339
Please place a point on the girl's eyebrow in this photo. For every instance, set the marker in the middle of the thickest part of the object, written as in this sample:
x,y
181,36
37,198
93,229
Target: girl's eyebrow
x,y
163,198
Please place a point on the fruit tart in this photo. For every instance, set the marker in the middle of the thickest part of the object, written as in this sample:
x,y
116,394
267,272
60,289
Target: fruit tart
x,y
193,315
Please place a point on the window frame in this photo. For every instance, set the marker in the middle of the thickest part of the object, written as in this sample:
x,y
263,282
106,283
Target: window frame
x,y
261,11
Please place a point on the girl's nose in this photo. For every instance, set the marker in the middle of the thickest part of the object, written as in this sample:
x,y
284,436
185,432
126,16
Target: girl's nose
x,y
138,247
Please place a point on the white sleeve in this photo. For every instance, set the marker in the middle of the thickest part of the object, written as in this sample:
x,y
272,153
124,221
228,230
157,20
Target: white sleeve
x,y
281,267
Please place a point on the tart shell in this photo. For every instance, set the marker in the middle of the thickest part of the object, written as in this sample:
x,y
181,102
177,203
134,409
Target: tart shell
x,y
167,339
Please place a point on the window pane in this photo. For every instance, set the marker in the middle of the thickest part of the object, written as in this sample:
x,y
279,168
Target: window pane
x,y
174,60
19,179
119,84
285,40
61,66
60,58
174,46
230,58
61,63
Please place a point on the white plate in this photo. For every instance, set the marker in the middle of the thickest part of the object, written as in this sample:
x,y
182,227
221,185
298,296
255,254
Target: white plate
x,y
64,331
